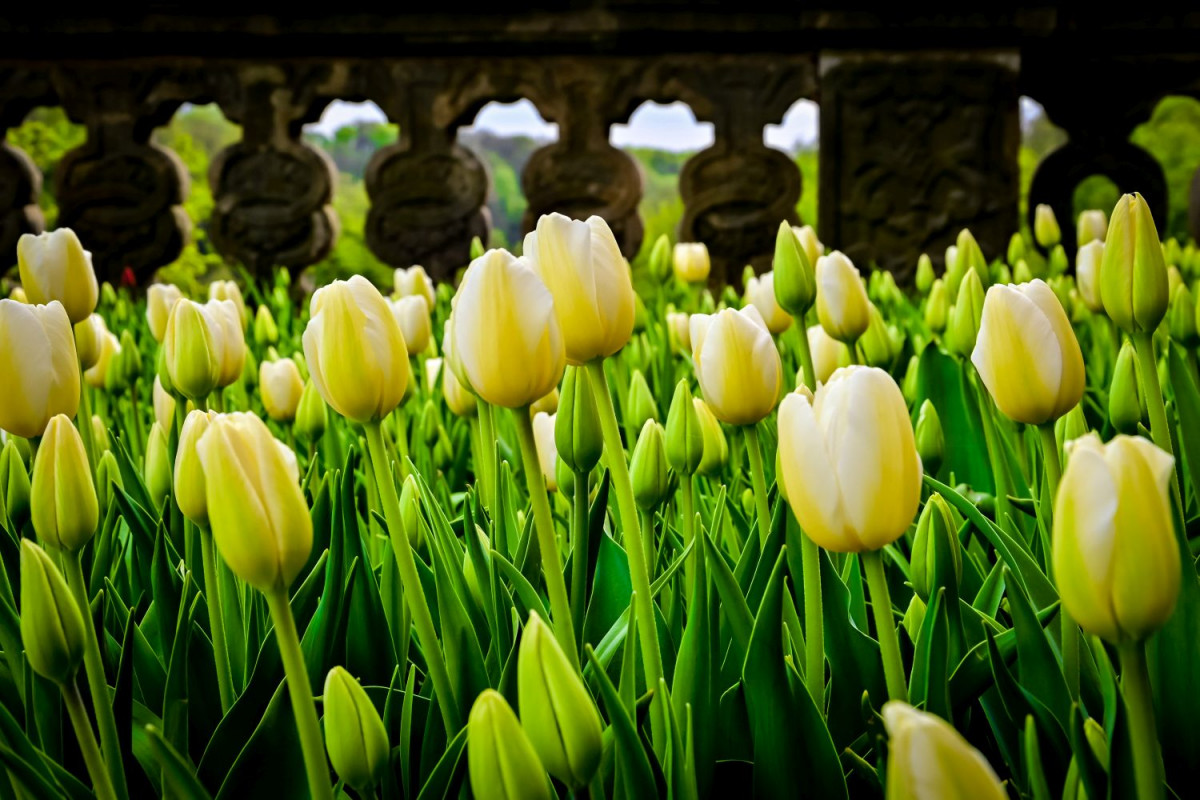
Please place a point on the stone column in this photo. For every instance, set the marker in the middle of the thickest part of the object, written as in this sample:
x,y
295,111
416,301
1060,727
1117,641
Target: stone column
x,y
20,179
915,147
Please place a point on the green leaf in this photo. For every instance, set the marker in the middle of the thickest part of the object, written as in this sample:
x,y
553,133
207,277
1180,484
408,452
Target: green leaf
x,y
177,772
447,777
942,380
633,765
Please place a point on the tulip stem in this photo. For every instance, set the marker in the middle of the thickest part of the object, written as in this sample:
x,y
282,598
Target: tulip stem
x,y
579,548
885,625
300,690
83,421
687,507
806,359
101,782
758,477
1069,633
1139,703
487,433
814,623
411,581
216,621
1051,459
556,586
97,682
1160,431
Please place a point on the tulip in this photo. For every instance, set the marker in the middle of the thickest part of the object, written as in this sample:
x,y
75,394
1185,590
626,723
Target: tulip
x,y
54,266
108,479
109,352
543,435
876,343
760,292
230,342
659,263
639,402
809,243
501,761
460,401
966,317
936,554
690,262
228,290
17,295
737,365
1181,318
281,387
1045,227
505,332
266,332
312,415
193,351
925,275
1016,248
39,363
828,354
1092,227
582,266
967,256
1027,353
1087,274
546,404
89,336
157,469
355,350
258,514
1022,273
929,760
160,300
937,307
931,443
648,468
190,491
842,304
164,405
716,447
51,623
63,497
414,282
14,487
577,436
795,283
1133,274
678,331
412,315
354,733
684,434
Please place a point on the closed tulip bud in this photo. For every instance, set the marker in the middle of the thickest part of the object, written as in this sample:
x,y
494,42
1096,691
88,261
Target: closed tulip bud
x,y
164,405
648,470
556,709
160,300
546,404
230,342
312,416
430,424
577,435
266,332
925,275
929,760
1027,353
17,295
1087,274
760,292
1126,403
795,281
842,304
51,623
14,486
639,402
355,351
716,447
966,317
99,434
1070,427
412,315
659,263
63,497
936,556
737,365
88,340
1133,275
54,266
684,435
257,513
931,443
1016,248
828,354
96,376
1092,227
969,257
1001,274
850,461
1045,227
543,438
410,510
157,469
250,368
39,365
354,734
1113,549
415,282
1174,279
504,332
108,479
281,387
807,236
1022,273
228,290
129,365
1181,317
192,350
678,333
1058,262
951,272
690,262
460,401
937,307
190,489
876,343
912,375
501,760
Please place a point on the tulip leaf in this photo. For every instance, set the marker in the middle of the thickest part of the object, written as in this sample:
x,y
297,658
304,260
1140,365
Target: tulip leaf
x,y
612,586
274,741
525,592
942,379
176,771
1041,674
694,689
1036,778
633,766
733,602
446,778
929,683
1091,772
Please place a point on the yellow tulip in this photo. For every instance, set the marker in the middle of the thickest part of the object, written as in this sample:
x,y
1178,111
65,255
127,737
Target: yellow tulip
x,y
281,386
160,300
18,295
89,338
192,350
63,497
505,333
828,354
842,304
228,290
258,515
1045,226
809,243
460,401
929,760
109,352
1027,353
501,760
51,623
737,365
231,341
1087,274
582,266
414,282
164,405
355,350
543,437
760,292
690,262
433,370
1093,227
54,266
412,315
190,492
1114,551
39,365
156,471
849,461
678,331
1133,276
354,734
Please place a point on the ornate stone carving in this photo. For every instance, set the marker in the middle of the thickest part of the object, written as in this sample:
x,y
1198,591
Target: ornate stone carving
x,y
915,147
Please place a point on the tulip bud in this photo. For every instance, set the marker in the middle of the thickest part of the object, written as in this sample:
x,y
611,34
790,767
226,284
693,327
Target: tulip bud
x,y
460,401
63,497
648,470
1114,554
54,266
1022,273
266,332
17,295
937,307
577,435
929,760
160,300
1016,249
51,623
716,447
1126,403
410,511
192,350
639,402
909,385
556,709
157,470
659,263
190,492
230,342
936,555
809,243
1133,275
412,315
1045,227
828,354
1181,318
737,365
1087,274
966,316
501,760
281,388
925,274
106,362
89,336
221,291
760,292
546,404
876,343
39,365
1092,227
14,487
842,304
690,262
108,475
931,444
795,281
354,734
543,439
969,257
684,435
678,333
415,282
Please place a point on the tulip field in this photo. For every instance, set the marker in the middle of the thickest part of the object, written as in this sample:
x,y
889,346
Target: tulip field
x,y
566,527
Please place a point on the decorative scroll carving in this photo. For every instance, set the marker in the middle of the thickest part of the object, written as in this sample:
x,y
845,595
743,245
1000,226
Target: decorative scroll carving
x,y
913,149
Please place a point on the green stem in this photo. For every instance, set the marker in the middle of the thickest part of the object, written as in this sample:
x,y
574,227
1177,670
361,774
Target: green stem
x,y
556,586
97,681
579,550
885,625
300,690
1139,702
1160,431
995,453
101,782
758,477
487,429
411,581
1050,458
215,619
84,422
402,440
687,507
1069,631
814,623
806,359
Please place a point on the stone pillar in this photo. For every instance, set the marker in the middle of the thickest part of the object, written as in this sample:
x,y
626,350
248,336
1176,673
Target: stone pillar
x,y
20,179
915,147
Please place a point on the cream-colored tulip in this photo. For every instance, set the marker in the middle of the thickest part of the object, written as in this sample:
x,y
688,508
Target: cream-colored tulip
x,y
414,282
89,340
65,508
230,341
54,266
547,453
737,365
679,331
849,461
39,366
828,354
355,350
229,290
929,760
505,334
691,262
582,266
1116,561
460,401
1087,274
1027,353
807,237
281,386
160,299
842,304
110,350
433,370
760,292
1093,227
193,350
412,315
164,405
190,492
